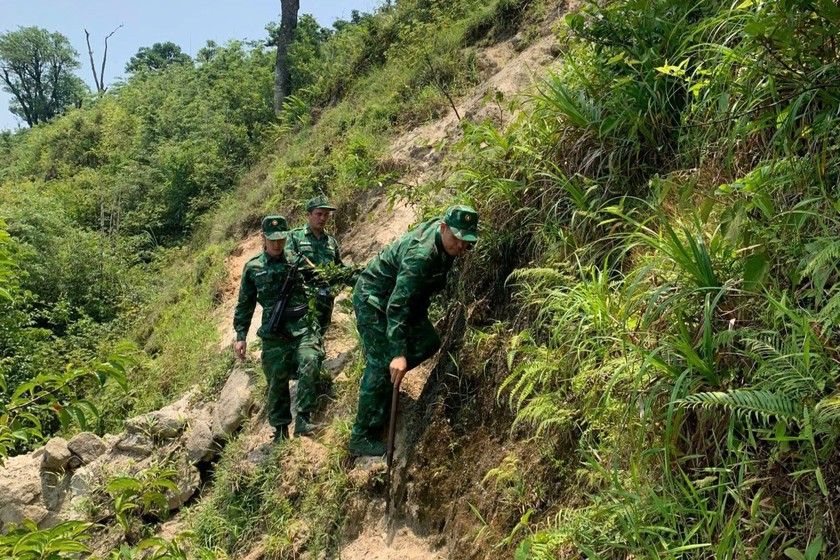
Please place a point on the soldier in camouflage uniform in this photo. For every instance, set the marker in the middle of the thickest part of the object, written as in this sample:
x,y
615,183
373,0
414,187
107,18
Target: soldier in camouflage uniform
x,y
322,250
296,345
391,300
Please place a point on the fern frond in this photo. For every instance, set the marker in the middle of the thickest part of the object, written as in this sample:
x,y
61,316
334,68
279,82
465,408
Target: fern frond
x,y
829,315
749,404
827,410
826,257
545,412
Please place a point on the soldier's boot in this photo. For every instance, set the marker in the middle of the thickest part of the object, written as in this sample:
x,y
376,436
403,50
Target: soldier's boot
x,y
281,433
304,425
366,445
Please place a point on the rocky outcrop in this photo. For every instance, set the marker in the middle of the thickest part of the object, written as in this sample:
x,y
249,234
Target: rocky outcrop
x,y
56,482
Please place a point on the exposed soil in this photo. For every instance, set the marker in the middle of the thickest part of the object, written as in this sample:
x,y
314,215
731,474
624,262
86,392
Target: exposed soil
x,y
234,264
509,73
378,543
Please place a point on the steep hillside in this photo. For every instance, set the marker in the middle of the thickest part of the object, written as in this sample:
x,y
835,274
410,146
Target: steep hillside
x,y
639,358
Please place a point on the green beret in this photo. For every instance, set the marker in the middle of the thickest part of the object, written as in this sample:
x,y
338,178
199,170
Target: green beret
x,y
318,202
463,221
275,227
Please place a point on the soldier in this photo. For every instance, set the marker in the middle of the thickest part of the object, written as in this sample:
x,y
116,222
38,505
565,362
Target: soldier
x,y
322,250
391,300
297,342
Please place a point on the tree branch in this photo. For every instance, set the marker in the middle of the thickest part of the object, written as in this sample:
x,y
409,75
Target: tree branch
x,y
92,65
104,57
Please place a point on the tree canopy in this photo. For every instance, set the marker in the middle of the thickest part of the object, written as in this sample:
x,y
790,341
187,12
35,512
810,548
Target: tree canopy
x,y
157,57
36,67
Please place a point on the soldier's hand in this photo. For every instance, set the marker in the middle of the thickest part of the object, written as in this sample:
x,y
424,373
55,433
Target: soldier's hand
x,y
399,366
240,348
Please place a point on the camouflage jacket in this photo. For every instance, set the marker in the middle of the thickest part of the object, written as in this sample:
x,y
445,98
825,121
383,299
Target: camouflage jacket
x,y
262,279
324,253
323,250
402,278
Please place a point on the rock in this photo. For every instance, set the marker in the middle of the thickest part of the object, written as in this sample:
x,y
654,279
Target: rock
x,y
88,446
20,481
54,485
56,454
165,423
234,404
137,444
80,483
335,365
187,482
13,513
200,445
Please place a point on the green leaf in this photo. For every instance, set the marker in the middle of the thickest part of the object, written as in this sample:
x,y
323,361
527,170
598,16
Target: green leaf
x,y
575,22
755,28
821,481
64,418
756,268
814,548
794,554
523,550
123,483
764,203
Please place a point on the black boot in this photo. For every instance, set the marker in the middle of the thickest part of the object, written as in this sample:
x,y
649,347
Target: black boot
x,y
304,425
281,433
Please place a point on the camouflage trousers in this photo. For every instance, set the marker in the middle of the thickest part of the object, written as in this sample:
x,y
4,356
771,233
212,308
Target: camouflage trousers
x,y
280,358
373,410
324,307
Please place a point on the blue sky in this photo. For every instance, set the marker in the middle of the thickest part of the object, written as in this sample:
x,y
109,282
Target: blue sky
x,y
189,23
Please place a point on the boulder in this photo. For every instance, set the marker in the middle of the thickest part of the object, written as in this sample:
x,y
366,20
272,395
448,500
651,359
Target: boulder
x,y
200,445
16,513
87,446
166,423
56,454
81,482
188,481
234,404
20,481
136,444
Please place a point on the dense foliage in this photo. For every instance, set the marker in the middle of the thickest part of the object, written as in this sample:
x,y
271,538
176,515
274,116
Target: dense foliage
x,y
670,197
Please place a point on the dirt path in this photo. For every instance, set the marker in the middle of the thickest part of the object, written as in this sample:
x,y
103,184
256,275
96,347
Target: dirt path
x,y
402,544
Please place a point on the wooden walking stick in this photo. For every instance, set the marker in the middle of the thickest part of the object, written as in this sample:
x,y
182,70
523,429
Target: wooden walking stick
x,y
392,433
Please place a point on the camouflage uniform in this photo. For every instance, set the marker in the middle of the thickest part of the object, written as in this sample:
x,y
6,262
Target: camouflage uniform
x,y
391,300
320,251
297,344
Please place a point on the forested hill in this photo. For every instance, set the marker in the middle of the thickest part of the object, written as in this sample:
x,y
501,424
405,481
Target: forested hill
x,y
641,353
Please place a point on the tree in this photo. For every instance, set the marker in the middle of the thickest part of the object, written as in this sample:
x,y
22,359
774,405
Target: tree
x,y
157,57
36,67
282,73
99,80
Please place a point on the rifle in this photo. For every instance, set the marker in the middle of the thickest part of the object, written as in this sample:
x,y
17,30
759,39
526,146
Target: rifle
x,y
280,310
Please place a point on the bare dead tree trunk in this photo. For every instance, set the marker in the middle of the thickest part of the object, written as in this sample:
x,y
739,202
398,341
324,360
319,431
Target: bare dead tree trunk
x,y
99,81
101,240
282,74
92,65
